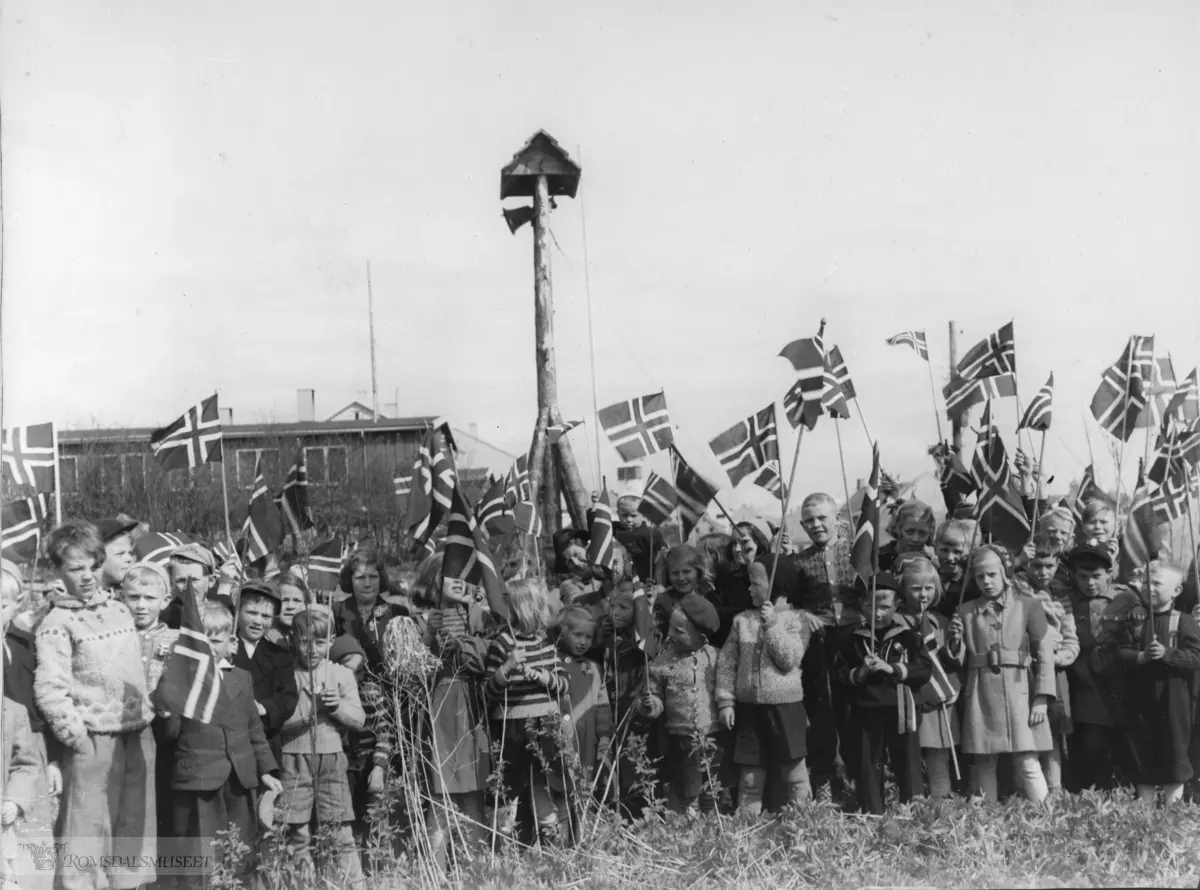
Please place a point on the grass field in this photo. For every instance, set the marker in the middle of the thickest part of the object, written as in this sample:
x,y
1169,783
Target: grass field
x,y
1086,841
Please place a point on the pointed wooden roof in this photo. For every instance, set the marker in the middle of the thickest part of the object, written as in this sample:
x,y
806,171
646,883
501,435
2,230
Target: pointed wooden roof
x,y
540,155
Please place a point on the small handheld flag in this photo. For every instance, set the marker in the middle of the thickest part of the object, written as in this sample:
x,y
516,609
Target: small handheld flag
x,y
29,456
325,565
21,528
191,681
915,339
991,357
1038,414
659,499
639,427
263,530
864,554
558,430
600,548
748,445
193,439
293,500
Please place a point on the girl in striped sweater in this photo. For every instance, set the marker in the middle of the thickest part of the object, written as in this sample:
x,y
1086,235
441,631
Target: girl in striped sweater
x,y
525,681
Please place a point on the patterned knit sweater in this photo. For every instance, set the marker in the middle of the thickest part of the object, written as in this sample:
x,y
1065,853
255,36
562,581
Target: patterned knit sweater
x,y
683,685
760,662
534,688
89,675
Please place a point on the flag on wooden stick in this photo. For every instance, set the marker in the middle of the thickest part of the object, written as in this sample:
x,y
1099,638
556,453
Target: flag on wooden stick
x,y
29,457
193,439
517,487
325,565
991,357
491,510
432,489
600,546
864,553
1185,404
1142,537
1171,499
467,557
770,479
1121,396
999,510
293,500
695,493
659,499
191,681
403,484
748,445
803,402
915,339
157,547
639,427
1088,491
839,388
962,395
1038,414
263,531
21,527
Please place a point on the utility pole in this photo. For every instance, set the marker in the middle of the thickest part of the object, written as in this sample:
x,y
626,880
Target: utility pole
x,y
371,322
955,422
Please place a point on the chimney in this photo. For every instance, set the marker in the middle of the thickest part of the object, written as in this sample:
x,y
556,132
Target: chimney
x,y
860,484
227,417
306,405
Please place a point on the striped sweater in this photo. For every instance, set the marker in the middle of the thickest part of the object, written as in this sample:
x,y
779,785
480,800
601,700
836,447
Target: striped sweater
x,y
533,689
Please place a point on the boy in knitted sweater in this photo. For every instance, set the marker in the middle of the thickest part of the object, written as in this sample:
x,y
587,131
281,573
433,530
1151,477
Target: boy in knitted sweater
x,y
329,704
682,684
90,686
760,696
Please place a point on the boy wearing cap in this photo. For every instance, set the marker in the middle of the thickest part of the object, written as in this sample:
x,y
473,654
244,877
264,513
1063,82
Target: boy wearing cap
x,y
682,685
272,668
118,550
192,564
218,766
881,671
1094,602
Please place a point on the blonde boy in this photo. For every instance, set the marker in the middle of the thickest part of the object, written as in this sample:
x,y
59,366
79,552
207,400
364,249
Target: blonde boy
x,y
144,593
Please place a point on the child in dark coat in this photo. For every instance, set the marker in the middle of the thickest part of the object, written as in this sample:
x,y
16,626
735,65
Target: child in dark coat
x,y
1160,653
881,672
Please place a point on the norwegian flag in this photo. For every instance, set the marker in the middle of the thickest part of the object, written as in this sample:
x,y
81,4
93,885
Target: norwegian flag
x,y
293,500
954,479
1142,536
325,565
517,487
864,553
467,557
1185,404
803,402
770,479
748,445
639,427
962,395
694,491
999,510
1170,501
263,531
526,519
991,357
940,689
157,547
1088,491
403,485
1159,392
432,490
600,547
491,511
989,466
1178,448
915,339
1121,396
29,456
1039,413
558,430
21,528
191,681
839,388
193,439
659,499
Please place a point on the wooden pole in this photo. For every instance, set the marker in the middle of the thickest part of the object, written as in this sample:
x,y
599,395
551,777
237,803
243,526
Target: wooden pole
x,y
863,420
58,479
371,322
1040,473
937,415
587,290
956,423
845,480
1124,423
541,457
1191,501
225,493
787,500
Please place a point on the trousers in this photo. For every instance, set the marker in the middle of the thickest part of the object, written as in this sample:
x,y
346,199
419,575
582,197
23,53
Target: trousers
x,y
1027,772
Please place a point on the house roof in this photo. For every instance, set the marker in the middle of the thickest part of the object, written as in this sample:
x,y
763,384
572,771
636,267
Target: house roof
x,y
355,407
541,155
256,430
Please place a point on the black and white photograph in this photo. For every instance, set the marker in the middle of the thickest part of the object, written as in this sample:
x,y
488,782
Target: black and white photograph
x,y
675,445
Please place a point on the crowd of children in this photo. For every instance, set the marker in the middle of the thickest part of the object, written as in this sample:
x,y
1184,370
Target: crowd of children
x,y
733,674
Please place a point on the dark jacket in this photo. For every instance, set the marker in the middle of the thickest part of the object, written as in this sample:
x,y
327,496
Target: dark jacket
x,y
20,662
207,754
367,629
897,644
173,613
733,590
272,672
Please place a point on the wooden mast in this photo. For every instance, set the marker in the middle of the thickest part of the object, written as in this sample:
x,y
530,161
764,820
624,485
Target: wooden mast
x,y
540,170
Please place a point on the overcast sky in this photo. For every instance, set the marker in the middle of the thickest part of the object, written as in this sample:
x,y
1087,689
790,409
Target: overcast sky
x,y
192,192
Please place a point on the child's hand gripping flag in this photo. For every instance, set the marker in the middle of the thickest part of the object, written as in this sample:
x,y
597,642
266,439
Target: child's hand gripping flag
x,y
191,680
